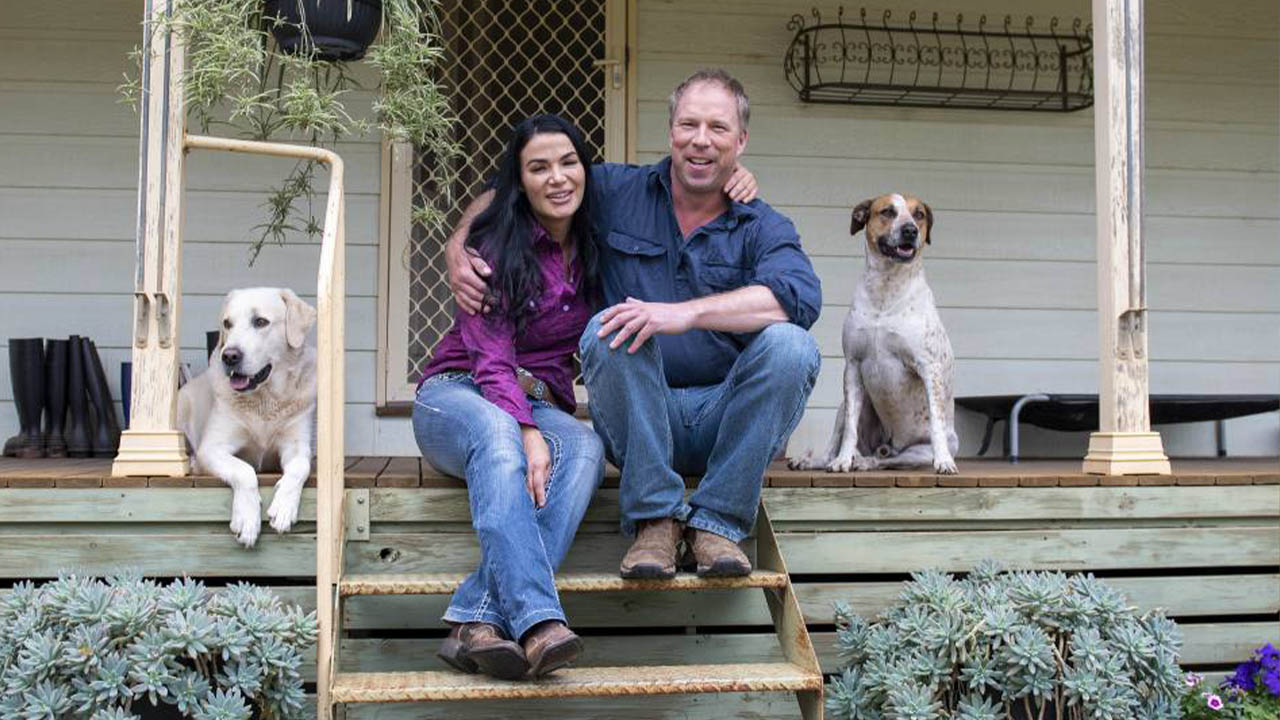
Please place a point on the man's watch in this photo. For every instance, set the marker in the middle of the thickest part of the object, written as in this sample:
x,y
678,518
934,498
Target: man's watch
x,y
532,386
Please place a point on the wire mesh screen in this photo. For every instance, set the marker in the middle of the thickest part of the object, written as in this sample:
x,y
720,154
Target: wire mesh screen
x,y
507,59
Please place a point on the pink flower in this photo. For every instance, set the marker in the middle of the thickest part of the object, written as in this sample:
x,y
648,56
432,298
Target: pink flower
x,y
1215,702
1193,679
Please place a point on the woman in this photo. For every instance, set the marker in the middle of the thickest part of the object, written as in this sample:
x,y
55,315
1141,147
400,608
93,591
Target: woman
x,y
495,406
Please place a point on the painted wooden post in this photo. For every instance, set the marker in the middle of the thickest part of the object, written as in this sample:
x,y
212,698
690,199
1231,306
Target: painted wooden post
x,y
330,398
1124,444
152,445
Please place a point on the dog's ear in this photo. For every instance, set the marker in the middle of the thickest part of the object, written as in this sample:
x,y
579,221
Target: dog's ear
x,y
928,218
861,214
299,317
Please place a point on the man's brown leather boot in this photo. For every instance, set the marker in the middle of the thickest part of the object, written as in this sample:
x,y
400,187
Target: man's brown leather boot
x,y
550,646
494,655
653,554
715,555
453,652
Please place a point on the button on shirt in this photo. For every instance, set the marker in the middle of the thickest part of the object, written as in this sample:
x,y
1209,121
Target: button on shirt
x,y
645,256
488,346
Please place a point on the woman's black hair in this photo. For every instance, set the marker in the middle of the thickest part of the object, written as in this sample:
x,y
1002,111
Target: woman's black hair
x,y
502,233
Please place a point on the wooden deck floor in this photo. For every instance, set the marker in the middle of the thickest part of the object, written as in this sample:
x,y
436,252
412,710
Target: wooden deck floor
x,y
412,472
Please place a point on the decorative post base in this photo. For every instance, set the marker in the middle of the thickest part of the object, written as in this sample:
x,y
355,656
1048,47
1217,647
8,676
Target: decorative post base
x,y
1126,453
151,452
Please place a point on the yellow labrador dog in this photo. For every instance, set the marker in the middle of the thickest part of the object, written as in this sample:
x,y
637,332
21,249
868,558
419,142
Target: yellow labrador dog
x,y
254,408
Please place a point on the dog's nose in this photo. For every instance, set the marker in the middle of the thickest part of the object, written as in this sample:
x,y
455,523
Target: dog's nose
x,y
910,232
231,357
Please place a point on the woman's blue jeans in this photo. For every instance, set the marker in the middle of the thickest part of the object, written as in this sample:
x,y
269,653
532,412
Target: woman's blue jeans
x,y
464,435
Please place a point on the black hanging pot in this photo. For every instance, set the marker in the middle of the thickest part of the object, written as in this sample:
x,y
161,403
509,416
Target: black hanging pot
x,y
334,35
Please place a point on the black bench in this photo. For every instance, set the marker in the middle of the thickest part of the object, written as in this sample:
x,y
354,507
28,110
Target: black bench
x,y
1077,412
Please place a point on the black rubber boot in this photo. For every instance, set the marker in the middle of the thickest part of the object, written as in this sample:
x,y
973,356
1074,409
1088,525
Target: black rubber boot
x,y
55,398
106,435
26,374
17,348
77,430
28,396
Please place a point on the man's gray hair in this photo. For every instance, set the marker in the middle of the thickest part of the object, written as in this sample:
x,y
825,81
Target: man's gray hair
x,y
715,76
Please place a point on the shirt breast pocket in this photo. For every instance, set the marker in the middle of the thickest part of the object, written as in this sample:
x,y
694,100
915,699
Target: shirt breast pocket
x,y
637,268
723,278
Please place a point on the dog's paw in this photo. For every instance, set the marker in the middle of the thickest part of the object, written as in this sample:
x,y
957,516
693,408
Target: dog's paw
x,y
283,512
863,464
805,462
246,523
839,464
945,465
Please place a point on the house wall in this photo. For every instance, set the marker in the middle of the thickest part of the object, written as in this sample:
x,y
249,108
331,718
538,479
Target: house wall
x,y
68,199
1012,266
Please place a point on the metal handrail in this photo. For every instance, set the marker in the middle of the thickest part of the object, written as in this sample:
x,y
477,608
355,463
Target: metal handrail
x,y
330,301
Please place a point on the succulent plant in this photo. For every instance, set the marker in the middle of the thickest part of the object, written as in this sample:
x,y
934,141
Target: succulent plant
x,y
82,647
996,645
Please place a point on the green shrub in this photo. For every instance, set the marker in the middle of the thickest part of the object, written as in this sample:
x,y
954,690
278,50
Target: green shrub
x,y
81,647
1000,645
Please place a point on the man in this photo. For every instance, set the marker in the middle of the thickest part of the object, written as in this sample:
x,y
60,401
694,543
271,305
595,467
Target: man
x,y
726,294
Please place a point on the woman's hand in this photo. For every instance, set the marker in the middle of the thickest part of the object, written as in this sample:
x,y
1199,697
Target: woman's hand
x,y
741,186
538,458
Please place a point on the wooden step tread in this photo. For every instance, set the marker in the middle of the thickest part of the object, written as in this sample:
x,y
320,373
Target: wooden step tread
x,y
576,682
443,584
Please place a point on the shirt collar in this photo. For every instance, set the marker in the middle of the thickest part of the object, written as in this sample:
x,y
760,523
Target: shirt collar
x,y
541,236
737,214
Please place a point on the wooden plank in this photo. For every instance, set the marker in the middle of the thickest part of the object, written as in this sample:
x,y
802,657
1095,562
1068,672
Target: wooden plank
x,y
575,681
364,473
184,553
96,264
1037,325
26,315
748,706
876,505
1070,549
38,214
400,472
1203,644
112,506
1051,503
446,584
1182,597
887,552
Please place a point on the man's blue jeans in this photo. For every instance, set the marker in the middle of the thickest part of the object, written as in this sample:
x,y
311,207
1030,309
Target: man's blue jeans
x,y
727,433
464,435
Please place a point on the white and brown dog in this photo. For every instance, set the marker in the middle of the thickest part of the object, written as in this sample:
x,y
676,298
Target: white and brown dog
x,y
898,409
254,409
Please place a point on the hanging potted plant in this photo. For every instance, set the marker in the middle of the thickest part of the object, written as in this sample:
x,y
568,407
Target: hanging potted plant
x,y
333,30
283,70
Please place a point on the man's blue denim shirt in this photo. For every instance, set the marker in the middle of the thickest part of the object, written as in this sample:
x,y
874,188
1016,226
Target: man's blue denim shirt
x,y
644,256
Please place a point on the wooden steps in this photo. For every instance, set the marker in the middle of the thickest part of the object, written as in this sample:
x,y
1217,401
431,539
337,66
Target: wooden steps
x,y
446,583
577,682
800,674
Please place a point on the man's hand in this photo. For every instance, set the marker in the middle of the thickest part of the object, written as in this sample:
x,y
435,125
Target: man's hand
x,y
643,320
741,186
538,459
467,272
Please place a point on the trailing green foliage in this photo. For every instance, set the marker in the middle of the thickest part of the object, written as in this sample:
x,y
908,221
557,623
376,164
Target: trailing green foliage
x,y
237,83
999,645
81,647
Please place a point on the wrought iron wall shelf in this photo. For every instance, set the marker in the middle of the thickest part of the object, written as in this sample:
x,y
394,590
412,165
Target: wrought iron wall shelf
x,y
931,65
